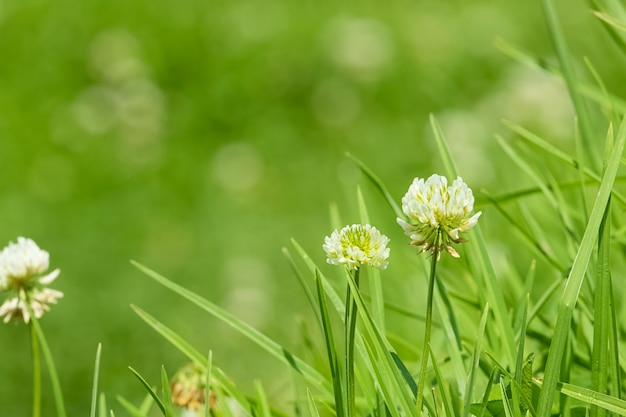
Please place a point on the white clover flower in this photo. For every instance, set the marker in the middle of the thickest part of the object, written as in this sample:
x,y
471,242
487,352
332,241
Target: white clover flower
x,y
22,265
356,245
437,213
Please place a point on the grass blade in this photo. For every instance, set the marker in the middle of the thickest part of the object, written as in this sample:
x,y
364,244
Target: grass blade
x,y
150,391
612,404
167,394
270,346
94,389
263,407
576,277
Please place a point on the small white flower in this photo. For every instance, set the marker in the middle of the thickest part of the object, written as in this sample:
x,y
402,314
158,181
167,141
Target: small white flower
x,y
356,245
21,262
22,265
437,213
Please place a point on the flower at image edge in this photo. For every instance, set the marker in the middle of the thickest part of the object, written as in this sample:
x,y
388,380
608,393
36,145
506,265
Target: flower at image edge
x,y
22,265
438,213
356,245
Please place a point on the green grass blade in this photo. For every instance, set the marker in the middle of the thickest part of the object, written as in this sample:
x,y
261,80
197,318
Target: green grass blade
x,y
94,389
376,286
167,394
576,277
263,408
385,363
207,385
330,349
612,404
479,258
471,380
189,351
54,377
312,406
129,407
102,405
378,184
449,410
150,391
270,346
567,66
303,282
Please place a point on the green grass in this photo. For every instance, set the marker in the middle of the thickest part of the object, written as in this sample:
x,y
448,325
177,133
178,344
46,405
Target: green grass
x,y
201,138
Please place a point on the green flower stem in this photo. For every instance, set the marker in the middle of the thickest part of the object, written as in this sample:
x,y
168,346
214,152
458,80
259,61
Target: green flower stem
x,y
427,331
36,372
350,326
54,378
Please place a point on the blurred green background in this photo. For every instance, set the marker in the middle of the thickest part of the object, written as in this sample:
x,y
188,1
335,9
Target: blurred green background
x,y
199,137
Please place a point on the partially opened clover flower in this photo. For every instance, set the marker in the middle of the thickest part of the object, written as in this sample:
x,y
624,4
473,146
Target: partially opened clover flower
x,y
22,265
438,213
356,245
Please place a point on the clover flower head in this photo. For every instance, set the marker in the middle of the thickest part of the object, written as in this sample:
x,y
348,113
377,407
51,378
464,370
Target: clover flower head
x,y
437,213
188,388
356,245
22,265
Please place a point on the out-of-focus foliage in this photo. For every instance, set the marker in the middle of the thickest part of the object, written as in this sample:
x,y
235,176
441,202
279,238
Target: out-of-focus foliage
x,y
198,137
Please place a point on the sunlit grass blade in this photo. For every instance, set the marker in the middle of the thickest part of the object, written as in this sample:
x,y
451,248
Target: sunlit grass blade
x,y
480,261
375,283
94,387
533,139
167,394
130,408
576,277
612,404
102,405
330,349
263,408
602,314
312,406
383,361
474,365
442,388
378,184
150,391
303,282
190,352
270,346
54,377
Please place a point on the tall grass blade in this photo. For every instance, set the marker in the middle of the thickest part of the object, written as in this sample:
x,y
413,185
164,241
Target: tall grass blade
x,y
54,377
94,389
270,346
471,380
567,66
479,258
167,394
263,408
383,361
576,277
335,370
194,355
150,391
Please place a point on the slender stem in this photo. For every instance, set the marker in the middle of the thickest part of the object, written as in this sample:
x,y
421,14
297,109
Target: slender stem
x,y
350,326
427,331
36,372
54,378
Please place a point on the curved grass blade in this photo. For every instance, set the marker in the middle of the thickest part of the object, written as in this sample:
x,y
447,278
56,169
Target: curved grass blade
x,y
191,353
151,392
378,183
576,277
270,346
167,394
